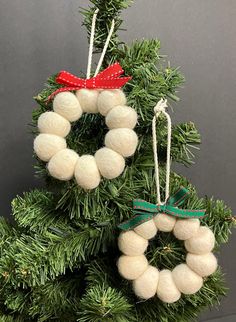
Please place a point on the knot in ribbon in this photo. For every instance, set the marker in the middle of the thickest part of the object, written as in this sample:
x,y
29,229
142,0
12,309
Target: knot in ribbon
x,y
145,211
109,78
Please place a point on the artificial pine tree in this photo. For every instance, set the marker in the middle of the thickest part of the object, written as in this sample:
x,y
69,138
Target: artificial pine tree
x,y
58,261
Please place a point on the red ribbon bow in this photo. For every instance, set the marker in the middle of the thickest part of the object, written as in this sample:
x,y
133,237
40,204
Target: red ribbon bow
x,y
109,78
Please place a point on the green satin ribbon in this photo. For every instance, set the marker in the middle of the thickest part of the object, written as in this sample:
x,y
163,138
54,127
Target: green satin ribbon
x,y
145,211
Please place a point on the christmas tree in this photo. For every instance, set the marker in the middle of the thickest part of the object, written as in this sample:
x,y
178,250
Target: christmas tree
x,y
59,259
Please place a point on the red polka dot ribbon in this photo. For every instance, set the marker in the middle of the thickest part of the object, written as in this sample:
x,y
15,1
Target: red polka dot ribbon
x,y
109,78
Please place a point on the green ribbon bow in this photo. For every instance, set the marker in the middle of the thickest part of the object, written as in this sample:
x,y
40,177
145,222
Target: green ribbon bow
x,y
145,211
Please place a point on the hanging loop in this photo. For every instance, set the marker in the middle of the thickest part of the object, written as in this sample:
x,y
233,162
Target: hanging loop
x,y
158,109
91,44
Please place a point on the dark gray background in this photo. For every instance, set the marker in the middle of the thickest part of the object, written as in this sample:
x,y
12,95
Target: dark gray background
x,y
39,38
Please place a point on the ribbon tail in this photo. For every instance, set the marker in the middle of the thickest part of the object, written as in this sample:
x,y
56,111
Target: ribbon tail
x,y
111,72
139,204
70,80
108,83
61,90
135,221
179,197
184,213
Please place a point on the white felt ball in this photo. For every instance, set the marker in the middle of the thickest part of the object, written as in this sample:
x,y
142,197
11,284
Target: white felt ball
x,y
123,141
145,286
131,267
86,172
202,243
107,99
110,163
187,281
67,105
166,288
186,228
165,222
147,230
203,265
62,164
88,100
132,244
121,117
53,123
46,145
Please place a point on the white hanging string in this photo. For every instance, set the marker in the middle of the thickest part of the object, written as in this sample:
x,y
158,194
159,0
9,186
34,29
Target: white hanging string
x,y
91,43
90,55
158,109
105,47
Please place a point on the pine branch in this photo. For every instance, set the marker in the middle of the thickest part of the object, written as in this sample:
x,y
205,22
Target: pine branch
x,y
37,212
11,318
56,300
220,219
102,303
33,260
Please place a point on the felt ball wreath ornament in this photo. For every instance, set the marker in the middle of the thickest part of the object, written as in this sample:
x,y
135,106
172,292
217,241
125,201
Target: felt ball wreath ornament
x,y
199,241
99,94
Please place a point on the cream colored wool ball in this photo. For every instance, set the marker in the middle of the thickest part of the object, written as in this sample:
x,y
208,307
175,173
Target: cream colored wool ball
x,y
46,145
145,286
165,222
86,172
53,123
132,244
108,99
166,288
186,228
110,163
121,117
202,243
123,141
147,230
88,100
62,164
203,265
131,267
186,280
67,105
